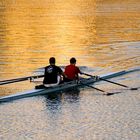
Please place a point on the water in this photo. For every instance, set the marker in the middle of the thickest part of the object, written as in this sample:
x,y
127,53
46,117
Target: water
x,y
104,36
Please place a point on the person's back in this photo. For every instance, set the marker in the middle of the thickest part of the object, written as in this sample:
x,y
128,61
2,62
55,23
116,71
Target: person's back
x,y
52,73
71,71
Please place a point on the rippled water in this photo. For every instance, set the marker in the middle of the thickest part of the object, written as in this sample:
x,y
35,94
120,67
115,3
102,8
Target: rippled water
x,y
102,35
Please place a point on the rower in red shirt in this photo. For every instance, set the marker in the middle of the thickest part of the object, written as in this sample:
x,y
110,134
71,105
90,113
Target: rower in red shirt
x,y
71,71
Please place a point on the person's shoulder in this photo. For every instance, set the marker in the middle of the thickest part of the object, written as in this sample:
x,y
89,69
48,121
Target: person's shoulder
x,y
57,67
47,66
67,65
77,68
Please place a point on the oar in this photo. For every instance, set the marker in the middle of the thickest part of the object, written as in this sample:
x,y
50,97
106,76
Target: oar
x,y
4,82
111,82
105,93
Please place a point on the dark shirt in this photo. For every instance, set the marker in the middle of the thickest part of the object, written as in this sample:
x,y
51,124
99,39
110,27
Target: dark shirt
x,y
51,73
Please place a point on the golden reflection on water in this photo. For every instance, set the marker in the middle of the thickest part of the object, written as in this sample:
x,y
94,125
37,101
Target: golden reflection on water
x,y
32,31
98,33
35,32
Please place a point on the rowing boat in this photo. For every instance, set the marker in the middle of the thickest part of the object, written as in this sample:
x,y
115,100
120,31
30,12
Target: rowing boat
x,y
58,88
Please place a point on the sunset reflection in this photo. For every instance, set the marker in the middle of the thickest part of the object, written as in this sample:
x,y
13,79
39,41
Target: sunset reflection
x,y
103,36
34,31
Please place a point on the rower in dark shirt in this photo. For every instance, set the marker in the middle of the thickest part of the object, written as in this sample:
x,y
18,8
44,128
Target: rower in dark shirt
x,y
52,74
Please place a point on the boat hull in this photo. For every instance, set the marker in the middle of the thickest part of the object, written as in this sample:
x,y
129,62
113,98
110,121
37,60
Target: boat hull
x,y
58,88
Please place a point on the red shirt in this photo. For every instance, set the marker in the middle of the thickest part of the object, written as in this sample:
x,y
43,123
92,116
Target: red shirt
x,y
71,71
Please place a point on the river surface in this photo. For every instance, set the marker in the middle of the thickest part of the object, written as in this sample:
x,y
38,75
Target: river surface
x,y
104,36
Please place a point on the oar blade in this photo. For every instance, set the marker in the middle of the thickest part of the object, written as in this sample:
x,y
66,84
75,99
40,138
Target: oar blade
x,y
133,88
112,93
108,94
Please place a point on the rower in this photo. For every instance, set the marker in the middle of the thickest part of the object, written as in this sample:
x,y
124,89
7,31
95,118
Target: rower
x,y
72,71
52,75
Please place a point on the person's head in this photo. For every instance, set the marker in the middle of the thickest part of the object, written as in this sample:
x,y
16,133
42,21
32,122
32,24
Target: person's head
x,y
52,60
72,60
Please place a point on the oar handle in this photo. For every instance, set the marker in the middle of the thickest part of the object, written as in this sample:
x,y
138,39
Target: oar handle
x,y
113,82
13,81
9,81
97,77
106,80
88,74
21,78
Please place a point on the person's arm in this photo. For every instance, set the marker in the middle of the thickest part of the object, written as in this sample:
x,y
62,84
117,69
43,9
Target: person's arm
x,y
78,70
62,73
44,79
